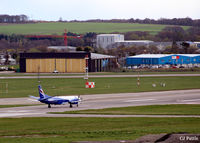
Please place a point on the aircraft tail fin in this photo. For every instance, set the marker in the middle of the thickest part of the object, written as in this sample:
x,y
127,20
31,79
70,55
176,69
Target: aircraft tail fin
x,y
41,93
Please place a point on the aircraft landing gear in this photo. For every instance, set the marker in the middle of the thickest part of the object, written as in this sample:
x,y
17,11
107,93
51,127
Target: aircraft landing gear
x,y
70,106
77,105
49,105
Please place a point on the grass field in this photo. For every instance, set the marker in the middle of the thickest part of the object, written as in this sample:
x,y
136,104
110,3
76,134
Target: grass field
x,y
21,105
58,28
59,130
143,110
76,86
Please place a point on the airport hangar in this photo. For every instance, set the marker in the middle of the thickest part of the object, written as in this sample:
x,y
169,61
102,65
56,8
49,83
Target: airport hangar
x,y
163,59
71,62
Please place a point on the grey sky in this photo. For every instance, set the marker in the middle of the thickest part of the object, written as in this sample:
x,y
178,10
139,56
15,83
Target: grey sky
x,y
101,9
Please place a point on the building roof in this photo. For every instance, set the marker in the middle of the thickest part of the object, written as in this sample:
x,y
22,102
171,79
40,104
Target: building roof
x,y
100,56
189,55
150,56
62,47
109,35
162,55
136,41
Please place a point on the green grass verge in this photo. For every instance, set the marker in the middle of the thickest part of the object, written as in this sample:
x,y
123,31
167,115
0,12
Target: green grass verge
x,y
76,86
143,110
58,28
22,105
95,73
59,130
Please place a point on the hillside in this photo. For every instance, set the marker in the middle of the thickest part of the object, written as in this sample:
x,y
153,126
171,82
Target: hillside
x,y
58,28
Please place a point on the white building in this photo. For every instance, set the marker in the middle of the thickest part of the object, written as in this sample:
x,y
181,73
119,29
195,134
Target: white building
x,y
104,40
197,44
10,59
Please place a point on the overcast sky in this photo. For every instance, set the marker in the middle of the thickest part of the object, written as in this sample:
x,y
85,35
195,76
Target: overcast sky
x,y
101,9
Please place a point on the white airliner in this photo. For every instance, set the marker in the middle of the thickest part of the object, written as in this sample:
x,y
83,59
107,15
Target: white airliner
x,y
56,100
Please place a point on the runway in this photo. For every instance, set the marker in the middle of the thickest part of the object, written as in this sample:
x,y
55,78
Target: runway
x,y
99,101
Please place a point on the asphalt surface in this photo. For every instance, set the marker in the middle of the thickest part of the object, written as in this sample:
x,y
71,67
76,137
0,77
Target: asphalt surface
x,y
99,101
97,76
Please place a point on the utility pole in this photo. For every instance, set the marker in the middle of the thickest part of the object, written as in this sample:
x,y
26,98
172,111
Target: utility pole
x,y
138,80
86,70
65,37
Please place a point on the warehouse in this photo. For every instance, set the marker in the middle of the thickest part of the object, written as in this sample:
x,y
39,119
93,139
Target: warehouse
x,y
101,63
71,62
104,40
163,59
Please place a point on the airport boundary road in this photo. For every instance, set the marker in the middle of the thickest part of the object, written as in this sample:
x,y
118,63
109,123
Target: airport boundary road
x,y
99,76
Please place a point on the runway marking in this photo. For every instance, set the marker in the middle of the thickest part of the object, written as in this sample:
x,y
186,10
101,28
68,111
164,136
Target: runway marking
x,y
191,100
9,115
16,114
19,111
139,100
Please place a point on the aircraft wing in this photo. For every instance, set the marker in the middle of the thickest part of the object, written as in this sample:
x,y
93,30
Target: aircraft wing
x,y
33,97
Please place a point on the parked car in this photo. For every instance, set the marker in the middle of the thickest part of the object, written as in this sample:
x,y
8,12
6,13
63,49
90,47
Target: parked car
x,y
55,71
181,67
174,67
154,67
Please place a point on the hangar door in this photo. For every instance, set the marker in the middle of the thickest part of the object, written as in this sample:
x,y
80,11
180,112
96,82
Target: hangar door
x,y
40,65
49,65
76,65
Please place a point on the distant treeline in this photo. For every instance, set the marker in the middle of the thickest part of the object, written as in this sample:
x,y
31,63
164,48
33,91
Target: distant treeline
x,y
175,21
13,18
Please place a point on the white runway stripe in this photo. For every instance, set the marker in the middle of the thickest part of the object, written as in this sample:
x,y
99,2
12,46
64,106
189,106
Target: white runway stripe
x,y
192,100
139,100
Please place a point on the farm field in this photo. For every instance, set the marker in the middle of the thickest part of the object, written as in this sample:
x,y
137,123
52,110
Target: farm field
x,y
76,86
80,28
176,109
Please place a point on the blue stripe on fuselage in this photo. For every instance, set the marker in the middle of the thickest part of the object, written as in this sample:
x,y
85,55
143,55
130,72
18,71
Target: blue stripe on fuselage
x,y
54,100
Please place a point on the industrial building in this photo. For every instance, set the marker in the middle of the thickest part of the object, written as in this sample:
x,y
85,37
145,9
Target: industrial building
x,y
71,62
197,44
128,43
163,59
104,40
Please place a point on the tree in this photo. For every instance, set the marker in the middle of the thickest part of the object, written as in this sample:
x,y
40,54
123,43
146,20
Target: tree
x,y
185,47
75,42
60,19
175,48
88,49
7,58
175,33
14,55
136,35
89,39
79,49
193,34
